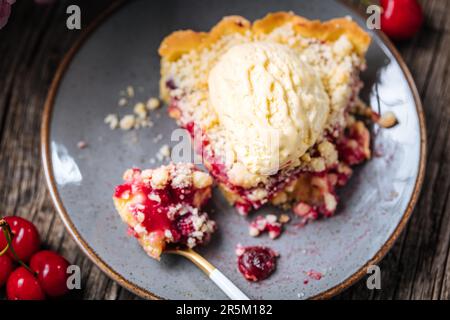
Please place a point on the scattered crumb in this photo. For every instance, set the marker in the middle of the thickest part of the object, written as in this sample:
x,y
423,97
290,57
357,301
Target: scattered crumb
x,y
140,110
112,120
82,144
127,122
140,118
270,223
163,153
313,274
388,120
284,218
265,224
145,123
130,91
165,150
122,102
153,103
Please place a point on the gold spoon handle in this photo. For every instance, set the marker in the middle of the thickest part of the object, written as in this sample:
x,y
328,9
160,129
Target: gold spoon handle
x,y
228,287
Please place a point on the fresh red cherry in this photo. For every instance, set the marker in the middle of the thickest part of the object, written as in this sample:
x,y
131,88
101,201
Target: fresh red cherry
x,y
23,285
401,19
51,271
25,238
6,267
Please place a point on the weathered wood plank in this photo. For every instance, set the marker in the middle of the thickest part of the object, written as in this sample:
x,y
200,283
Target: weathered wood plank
x,y
37,40
414,268
427,246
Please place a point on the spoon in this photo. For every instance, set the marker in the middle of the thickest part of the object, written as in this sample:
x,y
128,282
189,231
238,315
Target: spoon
x,y
228,287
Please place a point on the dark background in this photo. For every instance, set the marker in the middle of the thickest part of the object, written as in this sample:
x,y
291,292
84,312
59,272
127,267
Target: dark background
x,y
34,42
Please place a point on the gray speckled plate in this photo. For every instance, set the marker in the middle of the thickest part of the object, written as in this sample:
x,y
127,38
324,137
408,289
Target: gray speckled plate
x,y
122,51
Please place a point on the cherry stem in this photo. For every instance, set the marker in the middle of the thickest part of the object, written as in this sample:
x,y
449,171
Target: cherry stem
x,y
8,236
4,224
367,3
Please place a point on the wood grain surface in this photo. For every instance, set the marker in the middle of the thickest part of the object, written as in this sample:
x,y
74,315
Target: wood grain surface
x,y
34,42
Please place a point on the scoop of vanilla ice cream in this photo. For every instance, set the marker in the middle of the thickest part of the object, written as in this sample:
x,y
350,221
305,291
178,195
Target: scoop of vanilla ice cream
x,y
272,105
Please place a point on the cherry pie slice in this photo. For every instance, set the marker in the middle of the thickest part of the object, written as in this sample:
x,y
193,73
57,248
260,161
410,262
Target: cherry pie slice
x,y
163,206
196,82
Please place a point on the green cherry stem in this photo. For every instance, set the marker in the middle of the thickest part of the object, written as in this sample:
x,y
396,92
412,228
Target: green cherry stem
x,y
367,2
3,224
8,236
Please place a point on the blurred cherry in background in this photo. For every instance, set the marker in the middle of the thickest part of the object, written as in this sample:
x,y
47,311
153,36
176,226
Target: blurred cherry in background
x,y
401,19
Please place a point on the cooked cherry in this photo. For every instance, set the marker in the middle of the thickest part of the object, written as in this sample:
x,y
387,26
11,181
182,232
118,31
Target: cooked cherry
x,y
257,263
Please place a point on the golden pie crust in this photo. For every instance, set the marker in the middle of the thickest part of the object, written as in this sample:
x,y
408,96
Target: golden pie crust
x,y
181,42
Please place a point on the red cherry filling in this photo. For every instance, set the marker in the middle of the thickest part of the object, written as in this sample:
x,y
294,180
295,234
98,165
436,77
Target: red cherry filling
x,y
163,205
23,285
123,191
51,271
353,147
25,240
153,214
256,263
155,210
6,267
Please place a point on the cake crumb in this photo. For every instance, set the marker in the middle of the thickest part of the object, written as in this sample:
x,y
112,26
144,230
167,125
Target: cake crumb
x,y
82,144
160,177
122,102
127,122
130,91
140,118
112,120
153,103
388,120
145,123
163,153
284,218
265,224
201,179
140,110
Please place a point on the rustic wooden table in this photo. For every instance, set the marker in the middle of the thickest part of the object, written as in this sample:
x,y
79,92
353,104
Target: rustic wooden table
x,y
33,44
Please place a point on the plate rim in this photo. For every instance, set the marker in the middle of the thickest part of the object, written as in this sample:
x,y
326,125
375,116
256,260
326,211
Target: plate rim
x,y
45,151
